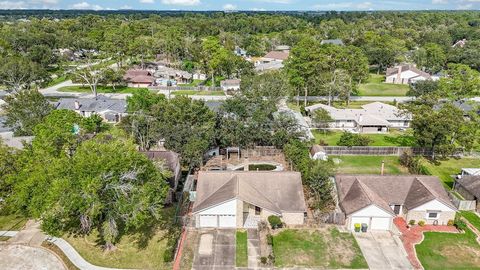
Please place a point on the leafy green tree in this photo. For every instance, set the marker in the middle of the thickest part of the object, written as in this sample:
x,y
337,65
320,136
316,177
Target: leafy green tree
x,y
24,110
382,50
143,100
270,85
322,119
432,57
18,72
112,77
320,186
8,167
353,139
462,82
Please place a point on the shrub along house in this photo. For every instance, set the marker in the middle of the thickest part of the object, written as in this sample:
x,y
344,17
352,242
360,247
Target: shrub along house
x,y
375,200
240,199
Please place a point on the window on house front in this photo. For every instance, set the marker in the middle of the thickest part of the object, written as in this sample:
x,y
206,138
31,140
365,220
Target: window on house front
x,y
257,210
432,215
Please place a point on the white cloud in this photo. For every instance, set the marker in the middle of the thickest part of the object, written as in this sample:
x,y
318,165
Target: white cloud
x,y
181,2
344,6
147,1
12,5
439,2
277,1
258,9
229,7
86,5
126,7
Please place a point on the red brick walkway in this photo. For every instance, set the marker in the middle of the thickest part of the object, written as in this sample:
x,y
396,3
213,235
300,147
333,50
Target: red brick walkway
x,y
414,235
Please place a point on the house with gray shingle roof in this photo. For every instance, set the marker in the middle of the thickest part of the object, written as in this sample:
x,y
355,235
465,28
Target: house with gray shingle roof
x,y
375,200
406,74
111,110
240,199
375,117
468,187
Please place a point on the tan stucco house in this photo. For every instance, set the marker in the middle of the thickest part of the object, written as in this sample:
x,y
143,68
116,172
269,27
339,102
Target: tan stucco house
x,y
240,199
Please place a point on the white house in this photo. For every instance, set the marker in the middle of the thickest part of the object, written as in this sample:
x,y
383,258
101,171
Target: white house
x,y
376,117
240,199
406,74
231,84
375,200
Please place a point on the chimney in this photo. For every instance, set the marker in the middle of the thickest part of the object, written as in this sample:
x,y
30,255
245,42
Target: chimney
x,y
383,167
77,105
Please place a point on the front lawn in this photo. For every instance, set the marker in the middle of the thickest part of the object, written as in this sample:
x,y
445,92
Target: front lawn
x,y
368,165
449,251
375,86
241,249
394,138
57,80
471,217
322,248
198,93
100,89
142,250
444,169
12,222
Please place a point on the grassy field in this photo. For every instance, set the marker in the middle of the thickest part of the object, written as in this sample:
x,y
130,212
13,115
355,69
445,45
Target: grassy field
x,y
394,138
449,251
100,89
198,93
375,86
368,165
471,217
241,250
57,81
444,169
142,250
12,222
323,248
194,83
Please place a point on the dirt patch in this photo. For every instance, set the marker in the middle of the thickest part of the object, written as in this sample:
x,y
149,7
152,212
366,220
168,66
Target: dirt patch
x,y
462,253
189,249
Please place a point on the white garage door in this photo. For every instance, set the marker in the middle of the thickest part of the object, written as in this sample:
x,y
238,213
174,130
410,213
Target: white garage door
x,y
359,220
227,221
380,223
207,221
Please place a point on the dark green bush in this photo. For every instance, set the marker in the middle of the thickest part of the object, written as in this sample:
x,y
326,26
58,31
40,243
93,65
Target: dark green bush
x,y
269,239
460,224
353,139
263,260
275,222
411,222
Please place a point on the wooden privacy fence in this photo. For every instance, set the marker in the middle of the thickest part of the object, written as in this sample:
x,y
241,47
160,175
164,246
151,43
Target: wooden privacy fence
x,y
336,218
467,205
375,150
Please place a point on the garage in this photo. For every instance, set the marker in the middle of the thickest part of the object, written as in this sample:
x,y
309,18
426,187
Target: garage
x,y
359,220
217,221
209,221
380,223
227,221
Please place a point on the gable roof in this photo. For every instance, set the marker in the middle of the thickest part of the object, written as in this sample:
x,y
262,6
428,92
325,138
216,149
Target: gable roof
x,y
471,183
276,191
383,191
279,55
98,105
172,159
404,68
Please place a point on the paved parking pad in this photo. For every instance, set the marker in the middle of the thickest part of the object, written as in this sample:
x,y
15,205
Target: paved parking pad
x,y
216,250
381,251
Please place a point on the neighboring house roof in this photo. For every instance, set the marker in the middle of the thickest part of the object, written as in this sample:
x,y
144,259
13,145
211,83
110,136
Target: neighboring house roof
x,y
333,41
275,191
172,159
355,192
376,113
142,79
471,183
137,72
404,68
282,48
278,55
471,171
101,104
16,142
163,71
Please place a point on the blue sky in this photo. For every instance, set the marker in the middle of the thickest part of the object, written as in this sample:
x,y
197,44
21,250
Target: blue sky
x,y
243,4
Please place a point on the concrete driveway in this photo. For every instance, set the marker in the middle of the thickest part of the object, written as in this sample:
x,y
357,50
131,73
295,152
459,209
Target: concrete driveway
x,y
19,257
382,251
215,250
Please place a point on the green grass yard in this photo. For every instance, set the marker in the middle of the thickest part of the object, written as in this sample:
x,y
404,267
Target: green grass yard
x,y
451,251
100,89
198,93
375,86
471,217
394,138
194,83
12,222
241,249
368,165
323,248
444,169
57,81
